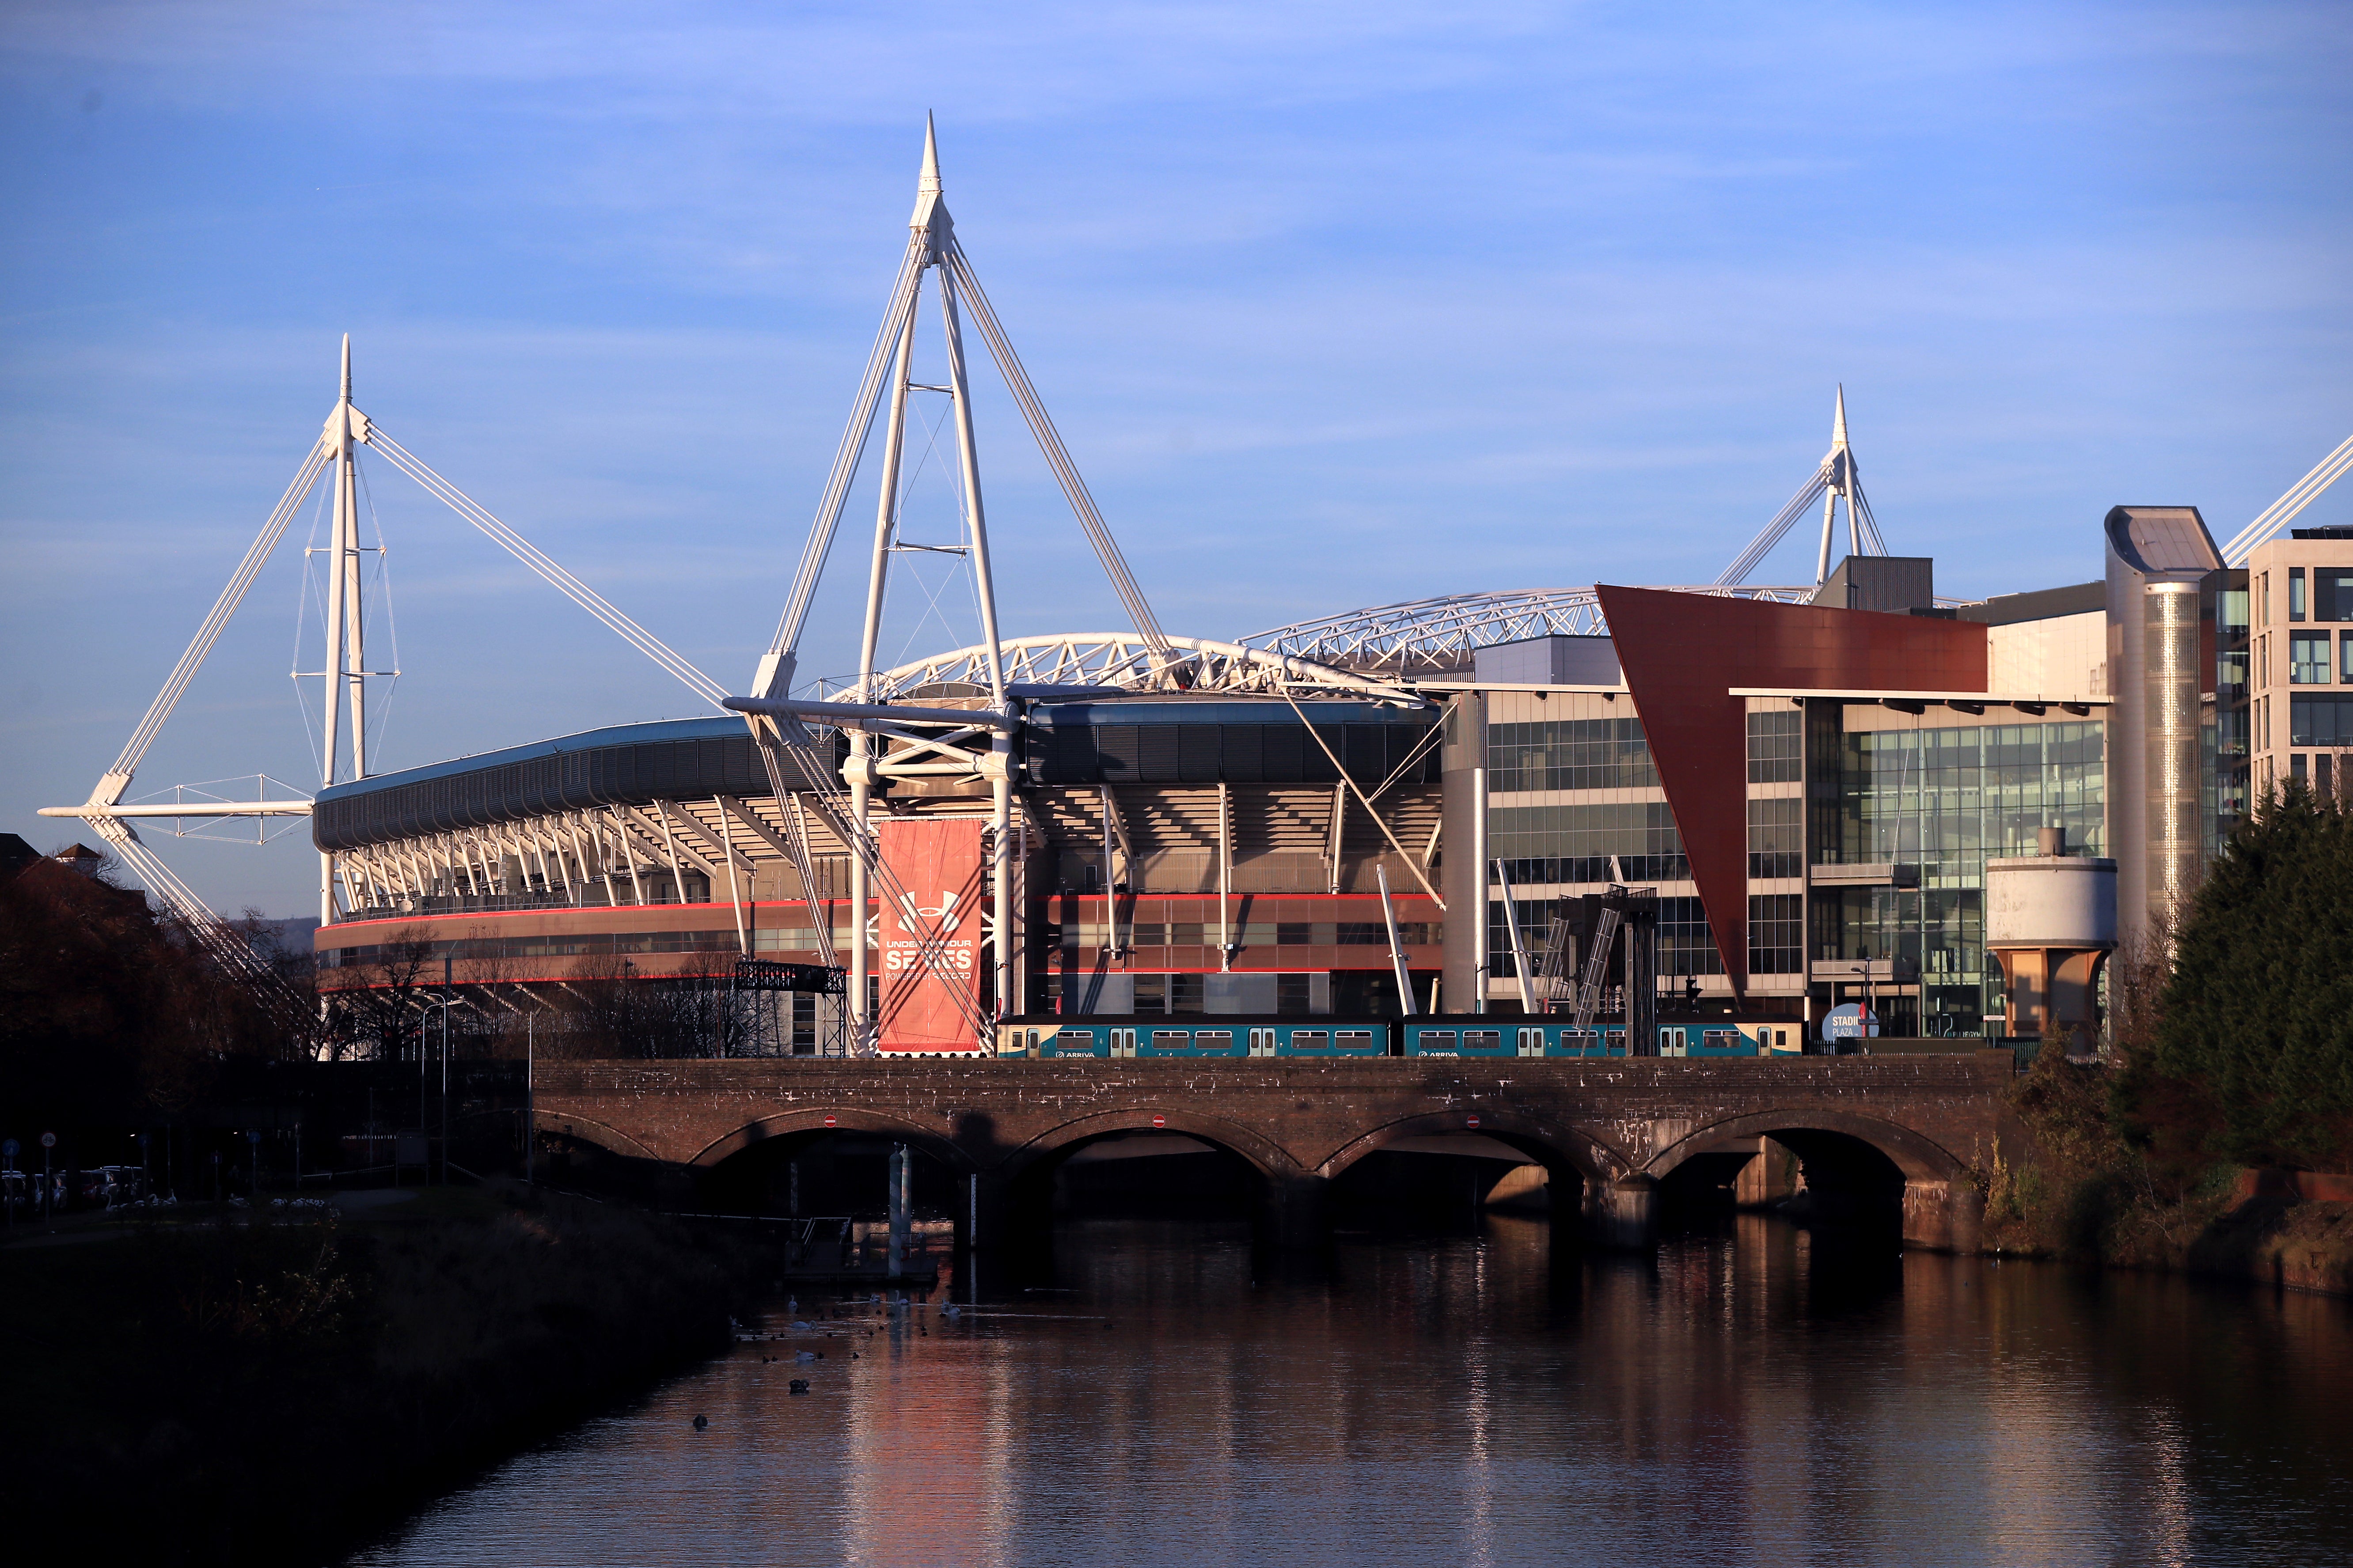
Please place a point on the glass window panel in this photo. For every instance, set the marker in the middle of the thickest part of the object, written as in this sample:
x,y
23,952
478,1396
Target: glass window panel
x,y
2308,658
1564,755
2332,594
1775,746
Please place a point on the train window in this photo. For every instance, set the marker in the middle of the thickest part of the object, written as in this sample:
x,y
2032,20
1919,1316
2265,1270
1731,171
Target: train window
x,y
1720,1039
1213,1040
1310,1040
1482,1039
1669,1039
1437,1040
1173,1039
1351,1039
1617,1039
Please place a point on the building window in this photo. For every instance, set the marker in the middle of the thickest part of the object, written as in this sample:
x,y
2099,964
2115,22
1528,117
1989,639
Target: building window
x,y
2307,659
1685,944
2332,594
2295,768
1777,933
2267,606
2231,674
1776,746
2231,734
1776,835
2295,593
1577,843
1947,799
2321,783
1572,753
2345,659
1535,916
2320,721
2231,609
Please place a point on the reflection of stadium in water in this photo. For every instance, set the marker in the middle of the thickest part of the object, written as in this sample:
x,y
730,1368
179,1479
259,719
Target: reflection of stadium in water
x,y
1760,1395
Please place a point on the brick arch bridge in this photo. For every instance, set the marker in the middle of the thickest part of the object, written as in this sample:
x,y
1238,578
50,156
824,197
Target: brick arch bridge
x,y
1616,1127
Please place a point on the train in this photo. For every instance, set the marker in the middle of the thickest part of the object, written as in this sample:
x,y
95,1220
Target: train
x,y
1180,1037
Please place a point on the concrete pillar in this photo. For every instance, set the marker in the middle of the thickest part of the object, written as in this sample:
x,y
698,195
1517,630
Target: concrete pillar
x,y
1461,874
984,1215
1624,1213
1291,1215
1944,1215
1773,1175
901,1179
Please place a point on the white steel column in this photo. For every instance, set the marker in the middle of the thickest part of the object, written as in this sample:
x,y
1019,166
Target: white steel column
x,y
1000,747
339,543
1397,944
1481,961
734,891
861,760
1225,877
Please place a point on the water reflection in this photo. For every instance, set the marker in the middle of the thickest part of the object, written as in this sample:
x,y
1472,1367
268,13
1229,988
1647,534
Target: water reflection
x,y
1758,1394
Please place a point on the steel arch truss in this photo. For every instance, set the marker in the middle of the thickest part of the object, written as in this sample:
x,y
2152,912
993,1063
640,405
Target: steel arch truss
x,y
1124,661
1428,636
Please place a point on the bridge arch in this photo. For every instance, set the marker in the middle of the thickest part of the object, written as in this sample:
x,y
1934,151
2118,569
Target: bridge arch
x,y
588,1130
1920,1158
1271,1159
1575,1149
767,1129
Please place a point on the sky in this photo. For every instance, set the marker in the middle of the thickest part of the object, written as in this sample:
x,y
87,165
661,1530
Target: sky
x,y
1335,305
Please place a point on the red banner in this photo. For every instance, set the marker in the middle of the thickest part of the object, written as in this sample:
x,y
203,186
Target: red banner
x,y
938,861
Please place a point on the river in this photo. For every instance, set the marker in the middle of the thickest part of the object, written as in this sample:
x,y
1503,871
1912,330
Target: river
x,y
1757,1394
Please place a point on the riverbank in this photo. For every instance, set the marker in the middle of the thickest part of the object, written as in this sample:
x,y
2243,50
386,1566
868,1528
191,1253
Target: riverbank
x,y
2075,1189
270,1386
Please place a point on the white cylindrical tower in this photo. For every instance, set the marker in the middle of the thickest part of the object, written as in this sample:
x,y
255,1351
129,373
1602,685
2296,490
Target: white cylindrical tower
x,y
2050,923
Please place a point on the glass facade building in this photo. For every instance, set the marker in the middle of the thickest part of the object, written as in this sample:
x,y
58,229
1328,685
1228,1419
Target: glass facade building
x,y
1939,802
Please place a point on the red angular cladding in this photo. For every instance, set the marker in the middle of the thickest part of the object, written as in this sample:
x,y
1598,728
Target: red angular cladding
x,y
1682,652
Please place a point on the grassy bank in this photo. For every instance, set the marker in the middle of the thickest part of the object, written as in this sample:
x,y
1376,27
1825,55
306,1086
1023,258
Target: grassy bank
x,y
267,1388
2076,1187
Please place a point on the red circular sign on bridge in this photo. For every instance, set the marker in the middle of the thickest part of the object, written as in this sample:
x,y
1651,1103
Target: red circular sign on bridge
x,y
830,1122
1470,1121
1160,1122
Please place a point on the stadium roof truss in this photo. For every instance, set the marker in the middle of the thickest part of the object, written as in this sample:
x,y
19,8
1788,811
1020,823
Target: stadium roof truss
x,y
1074,663
1438,635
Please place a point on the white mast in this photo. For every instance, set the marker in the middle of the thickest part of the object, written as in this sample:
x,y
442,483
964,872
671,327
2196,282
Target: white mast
x,y
346,660
1838,473
931,235
1836,476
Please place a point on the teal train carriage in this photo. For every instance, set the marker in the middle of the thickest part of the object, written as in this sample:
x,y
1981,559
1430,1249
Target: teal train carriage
x,y
1192,1035
1189,1037
1555,1034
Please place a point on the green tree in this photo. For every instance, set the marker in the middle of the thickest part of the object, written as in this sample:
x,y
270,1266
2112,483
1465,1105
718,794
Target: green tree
x,y
2253,1052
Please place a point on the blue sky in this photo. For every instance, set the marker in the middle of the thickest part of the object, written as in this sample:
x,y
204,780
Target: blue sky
x,y
1336,305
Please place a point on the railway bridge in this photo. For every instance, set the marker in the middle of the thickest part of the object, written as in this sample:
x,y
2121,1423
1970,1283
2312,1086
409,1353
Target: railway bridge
x,y
1607,1132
